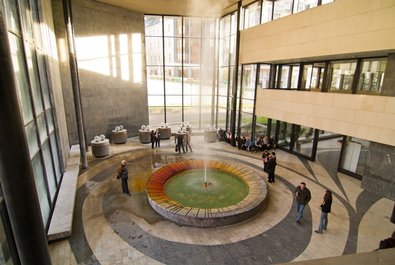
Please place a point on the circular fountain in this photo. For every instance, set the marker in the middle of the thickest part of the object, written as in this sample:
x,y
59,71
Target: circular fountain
x,y
206,193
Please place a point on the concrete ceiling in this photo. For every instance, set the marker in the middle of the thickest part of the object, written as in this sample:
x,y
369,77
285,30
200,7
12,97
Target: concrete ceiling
x,y
201,8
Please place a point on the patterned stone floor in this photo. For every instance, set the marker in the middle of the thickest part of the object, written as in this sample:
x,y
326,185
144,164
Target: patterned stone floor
x,y
111,228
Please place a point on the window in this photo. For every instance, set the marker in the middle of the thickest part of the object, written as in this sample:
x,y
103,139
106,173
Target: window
x,y
178,87
34,92
341,76
372,75
267,11
282,8
252,15
287,76
264,76
312,77
355,155
300,5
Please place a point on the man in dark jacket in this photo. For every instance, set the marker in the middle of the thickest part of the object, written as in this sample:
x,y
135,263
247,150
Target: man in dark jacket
x,y
125,177
271,167
303,196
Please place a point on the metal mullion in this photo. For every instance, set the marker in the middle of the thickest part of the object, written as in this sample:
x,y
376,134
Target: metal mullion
x,y
164,68
235,78
357,74
260,13
300,76
289,77
229,72
218,39
315,144
200,76
182,69
293,6
272,11
240,99
215,74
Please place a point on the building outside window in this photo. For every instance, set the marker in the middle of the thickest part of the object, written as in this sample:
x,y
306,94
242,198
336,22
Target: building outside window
x,y
341,76
267,11
282,8
180,73
252,15
264,76
371,76
301,5
313,75
287,76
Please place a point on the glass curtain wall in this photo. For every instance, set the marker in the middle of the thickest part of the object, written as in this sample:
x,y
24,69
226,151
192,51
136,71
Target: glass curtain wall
x,y
154,58
246,100
27,42
180,54
226,53
261,123
355,155
7,246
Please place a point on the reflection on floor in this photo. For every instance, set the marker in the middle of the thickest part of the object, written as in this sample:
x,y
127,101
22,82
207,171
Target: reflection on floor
x,y
111,228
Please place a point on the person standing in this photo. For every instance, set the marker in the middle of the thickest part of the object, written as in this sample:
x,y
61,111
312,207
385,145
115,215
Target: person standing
x,y
303,196
188,141
152,135
325,209
180,143
124,175
265,160
157,138
271,167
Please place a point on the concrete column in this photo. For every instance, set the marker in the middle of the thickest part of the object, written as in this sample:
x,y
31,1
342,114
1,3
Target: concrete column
x,y
75,81
16,173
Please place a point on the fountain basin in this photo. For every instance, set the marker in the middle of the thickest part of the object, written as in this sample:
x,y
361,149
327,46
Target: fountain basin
x,y
233,194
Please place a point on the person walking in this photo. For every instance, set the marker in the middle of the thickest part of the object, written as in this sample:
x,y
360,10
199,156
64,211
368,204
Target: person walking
x,y
124,176
303,196
325,209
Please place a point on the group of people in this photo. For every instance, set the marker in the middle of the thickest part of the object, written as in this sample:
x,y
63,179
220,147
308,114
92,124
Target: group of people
x,y
303,197
183,141
260,144
155,138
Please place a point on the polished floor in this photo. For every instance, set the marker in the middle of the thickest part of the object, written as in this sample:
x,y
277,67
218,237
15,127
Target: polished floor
x,y
111,228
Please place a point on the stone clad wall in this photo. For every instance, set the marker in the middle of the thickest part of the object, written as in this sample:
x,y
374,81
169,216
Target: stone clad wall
x,y
111,66
111,62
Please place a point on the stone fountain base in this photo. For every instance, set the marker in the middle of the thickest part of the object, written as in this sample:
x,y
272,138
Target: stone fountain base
x,y
175,211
